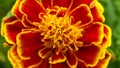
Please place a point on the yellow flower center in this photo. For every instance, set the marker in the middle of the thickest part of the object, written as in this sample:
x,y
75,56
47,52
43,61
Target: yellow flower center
x,y
58,31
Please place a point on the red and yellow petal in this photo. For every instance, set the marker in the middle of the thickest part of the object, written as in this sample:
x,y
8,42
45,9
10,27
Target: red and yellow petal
x,y
93,34
33,61
43,64
28,42
81,14
79,2
59,65
62,3
11,30
47,3
32,12
71,59
16,11
104,62
90,54
107,37
13,56
26,23
82,64
97,11
6,20
57,58
44,52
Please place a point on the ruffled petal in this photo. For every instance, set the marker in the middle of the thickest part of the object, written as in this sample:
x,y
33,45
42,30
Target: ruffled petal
x,y
34,60
90,54
13,56
15,9
44,52
32,12
82,64
81,14
62,3
71,59
104,62
11,30
107,38
43,64
46,3
97,11
79,2
26,23
59,65
94,33
28,42
57,58
6,20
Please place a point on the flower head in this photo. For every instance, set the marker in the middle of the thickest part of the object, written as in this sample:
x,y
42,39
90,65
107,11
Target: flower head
x,y
57,33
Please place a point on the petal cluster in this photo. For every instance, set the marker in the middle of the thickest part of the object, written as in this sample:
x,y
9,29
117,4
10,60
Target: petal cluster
x,y
57,34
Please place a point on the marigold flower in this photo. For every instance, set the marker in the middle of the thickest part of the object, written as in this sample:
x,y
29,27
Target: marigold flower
x,y
57,34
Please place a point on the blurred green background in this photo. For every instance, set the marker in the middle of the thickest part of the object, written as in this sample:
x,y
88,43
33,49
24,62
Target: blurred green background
x,y
112,14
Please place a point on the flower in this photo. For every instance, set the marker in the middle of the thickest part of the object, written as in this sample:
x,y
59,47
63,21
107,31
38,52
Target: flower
x,y
57,34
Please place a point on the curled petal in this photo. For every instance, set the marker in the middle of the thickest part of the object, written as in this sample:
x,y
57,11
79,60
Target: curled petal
x,y
97,11
81,14
26,22
34,60
15,9
44,52
90,54
57,58
79,2
47,3
62,3
93,34
71,59
28,42
4,21
82,64
11,30
43,64
107,38
32,12
60,65
13,56
104,62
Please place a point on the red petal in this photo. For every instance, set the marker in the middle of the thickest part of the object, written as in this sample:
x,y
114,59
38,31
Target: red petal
x,y
93,34
71,59
26,23
81,64
89,54
6,20
34,60
31,8
83,14
43,64
104,62
57,58
97,12
15,9
28,42
60,65
107,31
79,2
62,3
107,39
46,3
11,30
13,56
44,52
